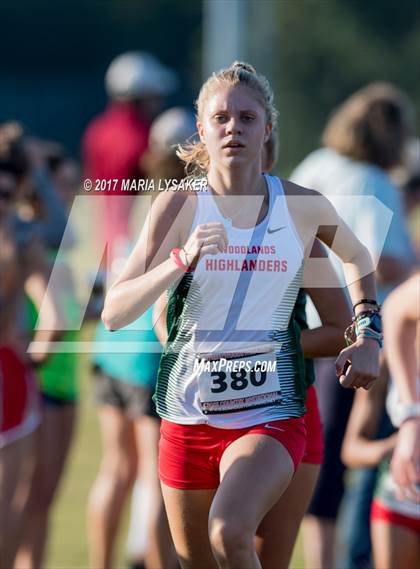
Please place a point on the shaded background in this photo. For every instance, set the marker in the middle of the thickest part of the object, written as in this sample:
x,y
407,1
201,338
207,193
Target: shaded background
x,y
315,52
57,53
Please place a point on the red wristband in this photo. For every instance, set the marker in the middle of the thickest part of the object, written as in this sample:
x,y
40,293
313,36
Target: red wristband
x,y
174,255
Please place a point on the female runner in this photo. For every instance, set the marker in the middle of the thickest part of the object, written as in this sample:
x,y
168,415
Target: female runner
x,y
276,535
230,389
395,511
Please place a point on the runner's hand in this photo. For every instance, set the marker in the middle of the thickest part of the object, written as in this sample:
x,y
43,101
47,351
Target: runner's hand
x,y
206,239
358,365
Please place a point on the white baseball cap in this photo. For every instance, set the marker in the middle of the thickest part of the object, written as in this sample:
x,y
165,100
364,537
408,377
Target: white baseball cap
x,y
170,128
138,74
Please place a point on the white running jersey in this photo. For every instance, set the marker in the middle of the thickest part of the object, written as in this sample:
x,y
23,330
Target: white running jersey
x,y
236,307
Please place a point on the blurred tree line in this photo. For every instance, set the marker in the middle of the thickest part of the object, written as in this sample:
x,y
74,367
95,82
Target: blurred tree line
x,y
326,49
54,56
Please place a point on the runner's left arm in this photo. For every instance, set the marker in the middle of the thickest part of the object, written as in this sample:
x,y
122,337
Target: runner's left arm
x,y
334,311
363,355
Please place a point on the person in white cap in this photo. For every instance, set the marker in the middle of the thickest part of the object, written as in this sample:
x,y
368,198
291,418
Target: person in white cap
x,y
115,140
168,129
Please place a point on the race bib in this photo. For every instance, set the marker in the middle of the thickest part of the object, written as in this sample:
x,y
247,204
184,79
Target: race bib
x,y
231,383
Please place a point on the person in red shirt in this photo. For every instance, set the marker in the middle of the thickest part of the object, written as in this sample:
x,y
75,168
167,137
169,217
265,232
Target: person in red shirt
x,y
115,140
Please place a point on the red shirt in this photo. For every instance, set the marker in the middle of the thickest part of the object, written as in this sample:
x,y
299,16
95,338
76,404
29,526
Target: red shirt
x,y
114,142
112,147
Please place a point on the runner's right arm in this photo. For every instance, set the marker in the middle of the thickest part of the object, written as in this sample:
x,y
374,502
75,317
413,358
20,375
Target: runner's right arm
x,y
149,269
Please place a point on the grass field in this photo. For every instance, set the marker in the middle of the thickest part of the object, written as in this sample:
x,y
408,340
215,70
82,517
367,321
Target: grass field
x,y
68,544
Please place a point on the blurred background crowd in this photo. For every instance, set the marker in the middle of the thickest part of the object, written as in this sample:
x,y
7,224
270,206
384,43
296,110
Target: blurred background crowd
x,y
105,91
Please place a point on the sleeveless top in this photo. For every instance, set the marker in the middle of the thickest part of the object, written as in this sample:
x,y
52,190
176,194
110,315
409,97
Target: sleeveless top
x,y
237,302
299,318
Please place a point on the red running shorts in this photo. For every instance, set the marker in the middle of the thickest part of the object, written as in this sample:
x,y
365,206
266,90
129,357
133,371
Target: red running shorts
x,y
19,403
189,455
314,452
380,513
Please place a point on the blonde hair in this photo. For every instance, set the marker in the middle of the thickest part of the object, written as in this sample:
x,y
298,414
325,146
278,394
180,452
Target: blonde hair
x,y
195,155
372,125
270,151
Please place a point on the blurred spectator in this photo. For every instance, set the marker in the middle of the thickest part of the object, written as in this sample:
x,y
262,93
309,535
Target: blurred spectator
x,y
411,191
136,83
395,513
159,162
364,139
57,377
40,210
65,175
401,332
170,127
408,178
23,267
124,385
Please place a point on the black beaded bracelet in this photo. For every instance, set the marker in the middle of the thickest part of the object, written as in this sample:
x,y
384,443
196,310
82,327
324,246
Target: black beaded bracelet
x,y
366,301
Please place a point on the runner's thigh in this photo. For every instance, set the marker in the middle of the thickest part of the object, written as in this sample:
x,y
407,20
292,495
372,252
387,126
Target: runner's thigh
x,y
188,512
394,546
255,470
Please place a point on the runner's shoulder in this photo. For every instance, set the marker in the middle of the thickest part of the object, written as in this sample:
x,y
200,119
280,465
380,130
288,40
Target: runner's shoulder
x,y
292,189
303,205
173,200
172,204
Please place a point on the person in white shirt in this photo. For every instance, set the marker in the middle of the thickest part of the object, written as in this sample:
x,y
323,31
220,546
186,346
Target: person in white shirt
x,y
364,138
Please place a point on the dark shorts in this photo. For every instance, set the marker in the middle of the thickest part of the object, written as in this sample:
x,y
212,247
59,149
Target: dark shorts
x,y
134,400
335,404
51,401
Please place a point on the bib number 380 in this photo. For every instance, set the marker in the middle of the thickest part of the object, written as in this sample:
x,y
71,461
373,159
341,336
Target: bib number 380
x,y
234,385
236,380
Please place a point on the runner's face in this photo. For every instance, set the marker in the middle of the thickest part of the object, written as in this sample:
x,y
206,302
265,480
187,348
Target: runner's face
x,y
233,127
